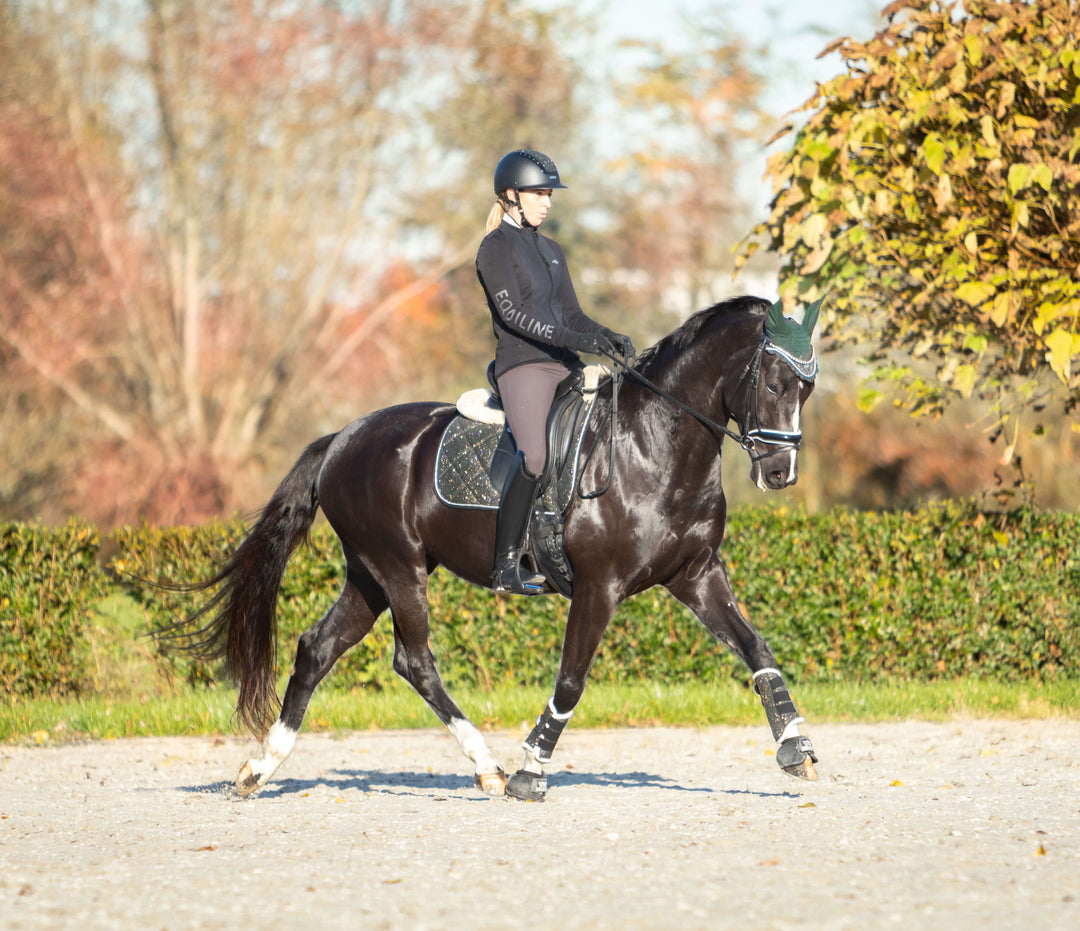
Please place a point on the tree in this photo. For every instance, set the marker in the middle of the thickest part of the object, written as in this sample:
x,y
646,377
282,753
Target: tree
x,y
213,237
931,196
675,188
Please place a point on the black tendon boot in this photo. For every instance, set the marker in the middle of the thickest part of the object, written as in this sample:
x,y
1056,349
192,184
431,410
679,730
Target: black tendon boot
x,y
511,523
794,753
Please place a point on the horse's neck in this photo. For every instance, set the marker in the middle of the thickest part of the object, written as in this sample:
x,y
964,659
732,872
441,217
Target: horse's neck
x,y
717,360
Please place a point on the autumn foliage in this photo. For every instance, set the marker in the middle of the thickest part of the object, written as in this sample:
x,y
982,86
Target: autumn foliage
x,y
932,195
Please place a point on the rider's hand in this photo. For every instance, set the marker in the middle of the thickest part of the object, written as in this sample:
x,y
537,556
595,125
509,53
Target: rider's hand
x,y
596,344
625,344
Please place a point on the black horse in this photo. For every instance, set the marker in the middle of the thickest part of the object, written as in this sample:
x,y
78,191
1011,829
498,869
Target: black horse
x,y
660,523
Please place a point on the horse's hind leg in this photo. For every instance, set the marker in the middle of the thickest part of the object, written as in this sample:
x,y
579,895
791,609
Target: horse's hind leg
x,y
414,662
347,622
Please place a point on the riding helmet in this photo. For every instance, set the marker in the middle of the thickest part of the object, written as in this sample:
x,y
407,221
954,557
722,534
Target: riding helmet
x,y
526,170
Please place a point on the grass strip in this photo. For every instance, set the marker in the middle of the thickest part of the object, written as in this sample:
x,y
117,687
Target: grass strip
x,y
634,705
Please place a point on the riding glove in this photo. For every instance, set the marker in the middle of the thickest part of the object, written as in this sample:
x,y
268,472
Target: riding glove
x,y
593,343
624,345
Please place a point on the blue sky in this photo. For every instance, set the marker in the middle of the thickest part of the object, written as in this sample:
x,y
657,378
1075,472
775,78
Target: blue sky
x,y
792,34
795,33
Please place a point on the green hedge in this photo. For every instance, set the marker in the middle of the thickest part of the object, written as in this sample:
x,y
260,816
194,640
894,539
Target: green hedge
x,y
48,579
935,594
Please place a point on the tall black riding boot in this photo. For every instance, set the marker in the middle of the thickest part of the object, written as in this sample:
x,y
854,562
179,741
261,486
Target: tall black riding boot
x,y
511,523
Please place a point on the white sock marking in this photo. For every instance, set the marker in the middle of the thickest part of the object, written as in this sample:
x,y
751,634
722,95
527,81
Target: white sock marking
x,y
473,745
276,748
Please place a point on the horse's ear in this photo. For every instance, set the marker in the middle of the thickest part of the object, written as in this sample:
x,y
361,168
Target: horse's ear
x,y
810,316
774,318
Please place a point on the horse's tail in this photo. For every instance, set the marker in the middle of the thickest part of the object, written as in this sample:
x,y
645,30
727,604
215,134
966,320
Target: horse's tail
x,y
243,610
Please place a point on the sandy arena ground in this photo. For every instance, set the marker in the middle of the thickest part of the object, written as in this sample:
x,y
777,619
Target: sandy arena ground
x,y
965,825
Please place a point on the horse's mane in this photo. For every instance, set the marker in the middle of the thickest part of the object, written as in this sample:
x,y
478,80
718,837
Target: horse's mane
x,y
679,339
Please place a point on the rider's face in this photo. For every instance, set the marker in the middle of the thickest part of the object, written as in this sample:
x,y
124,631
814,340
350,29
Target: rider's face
x,y
533,206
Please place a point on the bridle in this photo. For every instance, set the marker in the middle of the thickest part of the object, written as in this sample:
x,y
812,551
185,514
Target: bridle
x,y
750,437
781,439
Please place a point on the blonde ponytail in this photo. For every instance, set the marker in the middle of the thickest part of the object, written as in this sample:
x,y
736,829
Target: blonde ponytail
x,y
495,217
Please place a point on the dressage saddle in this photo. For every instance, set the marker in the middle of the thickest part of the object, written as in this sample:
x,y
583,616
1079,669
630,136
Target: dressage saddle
x,y
478,450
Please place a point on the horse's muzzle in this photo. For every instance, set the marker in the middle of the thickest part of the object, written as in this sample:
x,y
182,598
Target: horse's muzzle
x,y
774,458
775,470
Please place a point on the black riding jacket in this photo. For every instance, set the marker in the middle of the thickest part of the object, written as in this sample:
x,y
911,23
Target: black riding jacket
x,y
534,309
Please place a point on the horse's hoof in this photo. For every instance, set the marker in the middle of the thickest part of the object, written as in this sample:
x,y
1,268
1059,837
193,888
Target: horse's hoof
x,y
526,786
246,780
796,758
491,783
804,770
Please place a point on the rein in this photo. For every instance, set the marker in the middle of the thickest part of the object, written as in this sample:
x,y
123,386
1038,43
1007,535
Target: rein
x,y
743,439
748,438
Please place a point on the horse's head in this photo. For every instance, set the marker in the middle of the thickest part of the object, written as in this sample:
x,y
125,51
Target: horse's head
x,y
781,377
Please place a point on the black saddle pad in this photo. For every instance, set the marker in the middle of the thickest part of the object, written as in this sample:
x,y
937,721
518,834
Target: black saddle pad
x,y
462,470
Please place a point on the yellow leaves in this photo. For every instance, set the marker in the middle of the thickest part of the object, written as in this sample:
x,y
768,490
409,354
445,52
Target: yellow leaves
x,y
868,399
934,152
1053,310
1062,347
958,78
975,293
961,186
814,260
1006,98
974,44
1019,177
1019,217
964,380
813,228
1022,175
943,192
1043,176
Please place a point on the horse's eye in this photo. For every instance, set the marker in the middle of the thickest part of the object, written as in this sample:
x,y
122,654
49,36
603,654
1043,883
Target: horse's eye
x,y
772,387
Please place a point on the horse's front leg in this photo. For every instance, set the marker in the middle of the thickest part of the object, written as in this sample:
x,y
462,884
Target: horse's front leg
x,y
589,614
704,587
794,752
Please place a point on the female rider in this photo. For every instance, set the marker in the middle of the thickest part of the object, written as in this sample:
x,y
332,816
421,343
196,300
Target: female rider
x,y
540,328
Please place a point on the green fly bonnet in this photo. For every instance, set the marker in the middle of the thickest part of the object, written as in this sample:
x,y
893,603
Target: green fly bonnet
x,y
791,341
